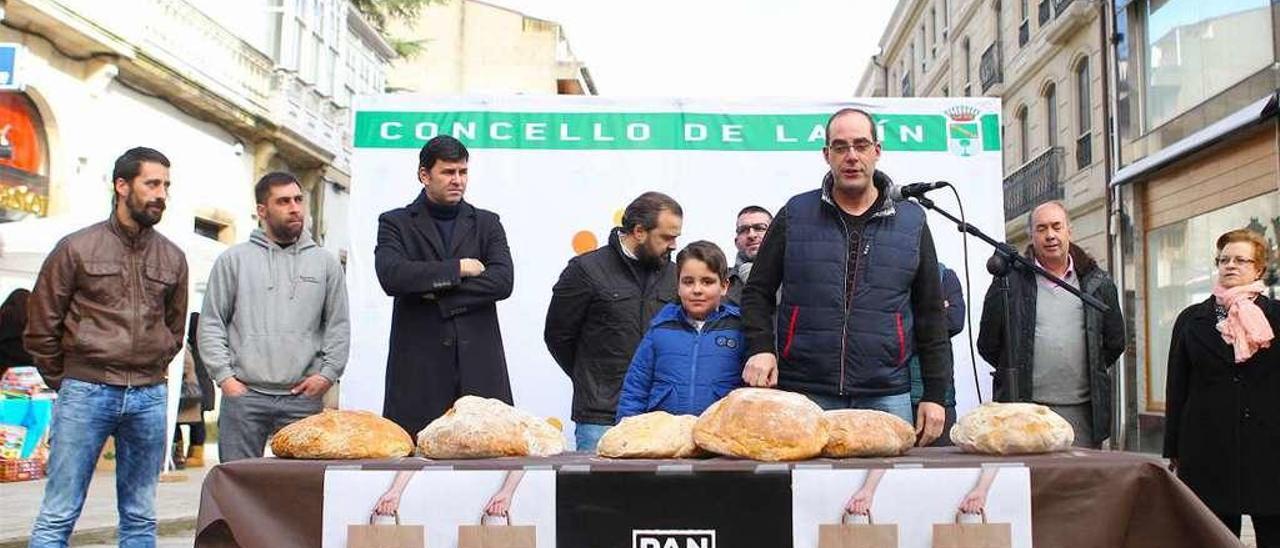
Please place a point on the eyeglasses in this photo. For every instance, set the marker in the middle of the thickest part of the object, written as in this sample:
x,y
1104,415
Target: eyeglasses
x,y
840,148
758,227
1242,261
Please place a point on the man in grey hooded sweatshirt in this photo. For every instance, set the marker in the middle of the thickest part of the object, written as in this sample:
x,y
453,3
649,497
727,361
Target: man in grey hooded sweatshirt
x,y
274,332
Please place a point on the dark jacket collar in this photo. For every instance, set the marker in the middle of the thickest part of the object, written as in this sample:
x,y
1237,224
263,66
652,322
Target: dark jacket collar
x,y
615,242
1080,259
1203,319
1207,309
882,183
419,206
139,240
466,221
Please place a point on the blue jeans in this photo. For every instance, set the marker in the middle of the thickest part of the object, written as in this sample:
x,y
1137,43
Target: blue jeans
x,y
897,404
84,415
587,436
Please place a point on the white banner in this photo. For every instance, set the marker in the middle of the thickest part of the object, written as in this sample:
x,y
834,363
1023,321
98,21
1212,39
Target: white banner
x,y
559,170
914,502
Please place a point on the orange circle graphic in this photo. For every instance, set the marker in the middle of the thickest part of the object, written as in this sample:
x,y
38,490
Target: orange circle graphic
x,y
583,242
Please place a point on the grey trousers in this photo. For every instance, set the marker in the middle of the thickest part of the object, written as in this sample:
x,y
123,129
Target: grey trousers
x,y
1081,419
246,422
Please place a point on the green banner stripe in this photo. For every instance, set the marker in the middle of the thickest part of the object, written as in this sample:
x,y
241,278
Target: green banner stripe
x,y
639,131
990,132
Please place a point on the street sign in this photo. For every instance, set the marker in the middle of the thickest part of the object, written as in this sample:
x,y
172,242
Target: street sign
x,y
10,58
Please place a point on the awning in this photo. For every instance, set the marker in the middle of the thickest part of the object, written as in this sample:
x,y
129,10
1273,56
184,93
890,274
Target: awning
x,y
1260,111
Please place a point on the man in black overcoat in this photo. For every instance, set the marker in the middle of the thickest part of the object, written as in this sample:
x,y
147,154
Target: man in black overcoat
x,y
447,264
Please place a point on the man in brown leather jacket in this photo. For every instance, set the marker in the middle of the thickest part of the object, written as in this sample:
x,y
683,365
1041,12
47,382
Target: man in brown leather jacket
x,y
106,317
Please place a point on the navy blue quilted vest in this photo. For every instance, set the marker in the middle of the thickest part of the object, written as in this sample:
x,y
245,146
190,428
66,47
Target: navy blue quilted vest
x,y
862,351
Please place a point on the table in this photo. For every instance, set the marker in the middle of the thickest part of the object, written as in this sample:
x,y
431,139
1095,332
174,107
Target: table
x,y
1080,498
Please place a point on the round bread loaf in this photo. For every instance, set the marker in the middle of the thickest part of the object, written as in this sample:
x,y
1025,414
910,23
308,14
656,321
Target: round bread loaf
x,y
1011,429
866,433
762,424
481,428
340,434
654,435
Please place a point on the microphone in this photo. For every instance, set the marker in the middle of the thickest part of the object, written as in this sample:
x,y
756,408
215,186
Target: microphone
x,y
913,190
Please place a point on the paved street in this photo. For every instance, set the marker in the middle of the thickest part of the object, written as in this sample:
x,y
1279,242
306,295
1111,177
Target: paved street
x,y
178,503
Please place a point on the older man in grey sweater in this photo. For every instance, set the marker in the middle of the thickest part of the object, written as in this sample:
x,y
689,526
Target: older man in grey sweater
x,y
1063,352
273,332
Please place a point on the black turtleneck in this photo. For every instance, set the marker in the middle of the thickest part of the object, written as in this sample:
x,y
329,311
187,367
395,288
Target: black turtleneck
x,y
444,217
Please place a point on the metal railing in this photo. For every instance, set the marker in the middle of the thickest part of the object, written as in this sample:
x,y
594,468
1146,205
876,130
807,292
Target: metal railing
x,y
989,69
1036,182
1084,151
1060,6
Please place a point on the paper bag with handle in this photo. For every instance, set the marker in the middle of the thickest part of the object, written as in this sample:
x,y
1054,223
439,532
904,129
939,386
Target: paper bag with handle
x,y
373,535
973,535
857,535
503,535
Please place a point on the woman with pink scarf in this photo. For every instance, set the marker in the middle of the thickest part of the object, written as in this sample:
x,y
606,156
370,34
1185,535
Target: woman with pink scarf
x,y
1222,406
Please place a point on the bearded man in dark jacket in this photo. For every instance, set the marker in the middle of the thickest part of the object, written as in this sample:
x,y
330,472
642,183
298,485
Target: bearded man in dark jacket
x,y
602,305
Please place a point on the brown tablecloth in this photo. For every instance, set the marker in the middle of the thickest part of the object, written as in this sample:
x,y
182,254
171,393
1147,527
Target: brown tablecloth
x,y
1080,498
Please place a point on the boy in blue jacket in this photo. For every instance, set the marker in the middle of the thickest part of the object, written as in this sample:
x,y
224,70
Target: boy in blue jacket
x,y
693,353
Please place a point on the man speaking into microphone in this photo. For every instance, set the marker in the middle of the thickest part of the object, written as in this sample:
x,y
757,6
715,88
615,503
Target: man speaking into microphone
x,y
860,292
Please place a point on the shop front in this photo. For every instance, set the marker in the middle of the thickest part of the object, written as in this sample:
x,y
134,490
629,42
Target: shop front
x,y
24,159
1169,223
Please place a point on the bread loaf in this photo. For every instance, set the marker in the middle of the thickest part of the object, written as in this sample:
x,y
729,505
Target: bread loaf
x,y
1012,428
335,434
762,424
655,435
478,428
866,433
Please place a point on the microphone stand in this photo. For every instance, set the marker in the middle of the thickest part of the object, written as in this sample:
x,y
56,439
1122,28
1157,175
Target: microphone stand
x,y
1005,260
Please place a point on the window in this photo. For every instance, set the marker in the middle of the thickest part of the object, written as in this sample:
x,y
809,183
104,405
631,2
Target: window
x,y
946,18
933,31
966,57
1196,49
924,45
1180,272
329,51
910,60
308,18
946,91
213,230
1051,115
999,30
1084,118
1021,119
1024,28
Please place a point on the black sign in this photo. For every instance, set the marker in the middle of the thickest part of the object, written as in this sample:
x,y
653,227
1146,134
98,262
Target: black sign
x,y
653,510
